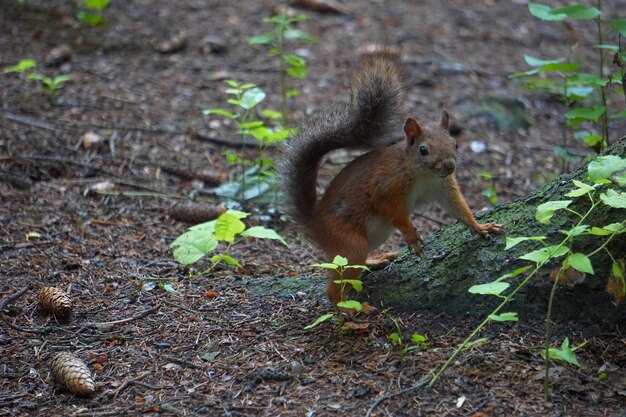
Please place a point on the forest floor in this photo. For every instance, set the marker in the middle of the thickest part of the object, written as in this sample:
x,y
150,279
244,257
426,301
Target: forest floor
x,y
94,218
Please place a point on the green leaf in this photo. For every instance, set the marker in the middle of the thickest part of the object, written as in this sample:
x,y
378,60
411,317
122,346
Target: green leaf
x,y
260,39
251,98
476,342
618,25
22,66
96,4
228,226
514,241
510,316
546,210
356,283
581,190
271,114
615,199
418,339
577,12
513,274
260,133
299,35
192,246
59,79
361,267
340,261
541,255
294,60
297,72
559,67
251,125
593,140
89,18
228,259
35,76
219,112
584,113
490,288
281,134
603,166
609,229
576,231
544,12
207,227
565,354
580,262
351,304
261,232
319,320
326,266
537,62
587,79
617,270
394,338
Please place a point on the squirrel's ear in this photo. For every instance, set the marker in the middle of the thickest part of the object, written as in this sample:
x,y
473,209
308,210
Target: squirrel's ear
x,y
413,131
445,120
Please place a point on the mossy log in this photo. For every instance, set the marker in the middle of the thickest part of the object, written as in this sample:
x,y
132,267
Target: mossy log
x,y
454,260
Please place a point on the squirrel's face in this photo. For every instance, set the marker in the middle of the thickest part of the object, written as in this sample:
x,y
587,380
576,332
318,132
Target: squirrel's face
x,y
433,148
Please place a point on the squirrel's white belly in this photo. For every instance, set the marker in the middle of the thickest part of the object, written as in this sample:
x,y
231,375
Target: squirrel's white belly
x,y
423,191
378,230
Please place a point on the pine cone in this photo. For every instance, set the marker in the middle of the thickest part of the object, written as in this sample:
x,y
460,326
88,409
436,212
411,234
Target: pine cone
x,y
53,300
72,374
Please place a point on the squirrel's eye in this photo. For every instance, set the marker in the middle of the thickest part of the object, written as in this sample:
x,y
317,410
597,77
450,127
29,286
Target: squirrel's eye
x,y
423,150
457,146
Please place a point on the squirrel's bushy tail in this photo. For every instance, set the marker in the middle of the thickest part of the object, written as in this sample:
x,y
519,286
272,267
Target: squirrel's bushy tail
x,y
367,122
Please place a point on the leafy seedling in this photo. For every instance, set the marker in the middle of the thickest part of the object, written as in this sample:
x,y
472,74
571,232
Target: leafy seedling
x,y
226,230
340,264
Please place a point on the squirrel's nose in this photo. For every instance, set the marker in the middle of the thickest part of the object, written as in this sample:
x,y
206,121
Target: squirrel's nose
x,y
449,165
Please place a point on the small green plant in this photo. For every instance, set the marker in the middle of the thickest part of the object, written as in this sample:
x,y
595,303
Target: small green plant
x,y
340,264
605,176
48,84
257,176
417,340
290,64
204,238
584,93
91,12
564,353
489,192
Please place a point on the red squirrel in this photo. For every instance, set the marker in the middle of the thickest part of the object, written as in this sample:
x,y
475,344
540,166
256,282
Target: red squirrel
x,y
376,192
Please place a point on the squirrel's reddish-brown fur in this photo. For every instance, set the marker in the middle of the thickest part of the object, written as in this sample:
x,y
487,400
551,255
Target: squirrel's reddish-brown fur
x,y
375,193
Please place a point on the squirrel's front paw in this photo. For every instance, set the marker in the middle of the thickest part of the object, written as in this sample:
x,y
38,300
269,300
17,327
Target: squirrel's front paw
x,y
415,245
485,230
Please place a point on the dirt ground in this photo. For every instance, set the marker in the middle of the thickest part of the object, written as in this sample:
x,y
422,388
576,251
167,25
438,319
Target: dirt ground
x,y
209,347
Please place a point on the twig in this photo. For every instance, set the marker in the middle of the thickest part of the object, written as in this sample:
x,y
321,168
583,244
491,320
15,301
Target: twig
x,y
114,322
5,319
181,361
417,385
28,121
8,300
13,297
129,319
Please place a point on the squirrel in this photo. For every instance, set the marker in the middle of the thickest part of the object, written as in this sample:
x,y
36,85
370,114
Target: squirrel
x,y
376,192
